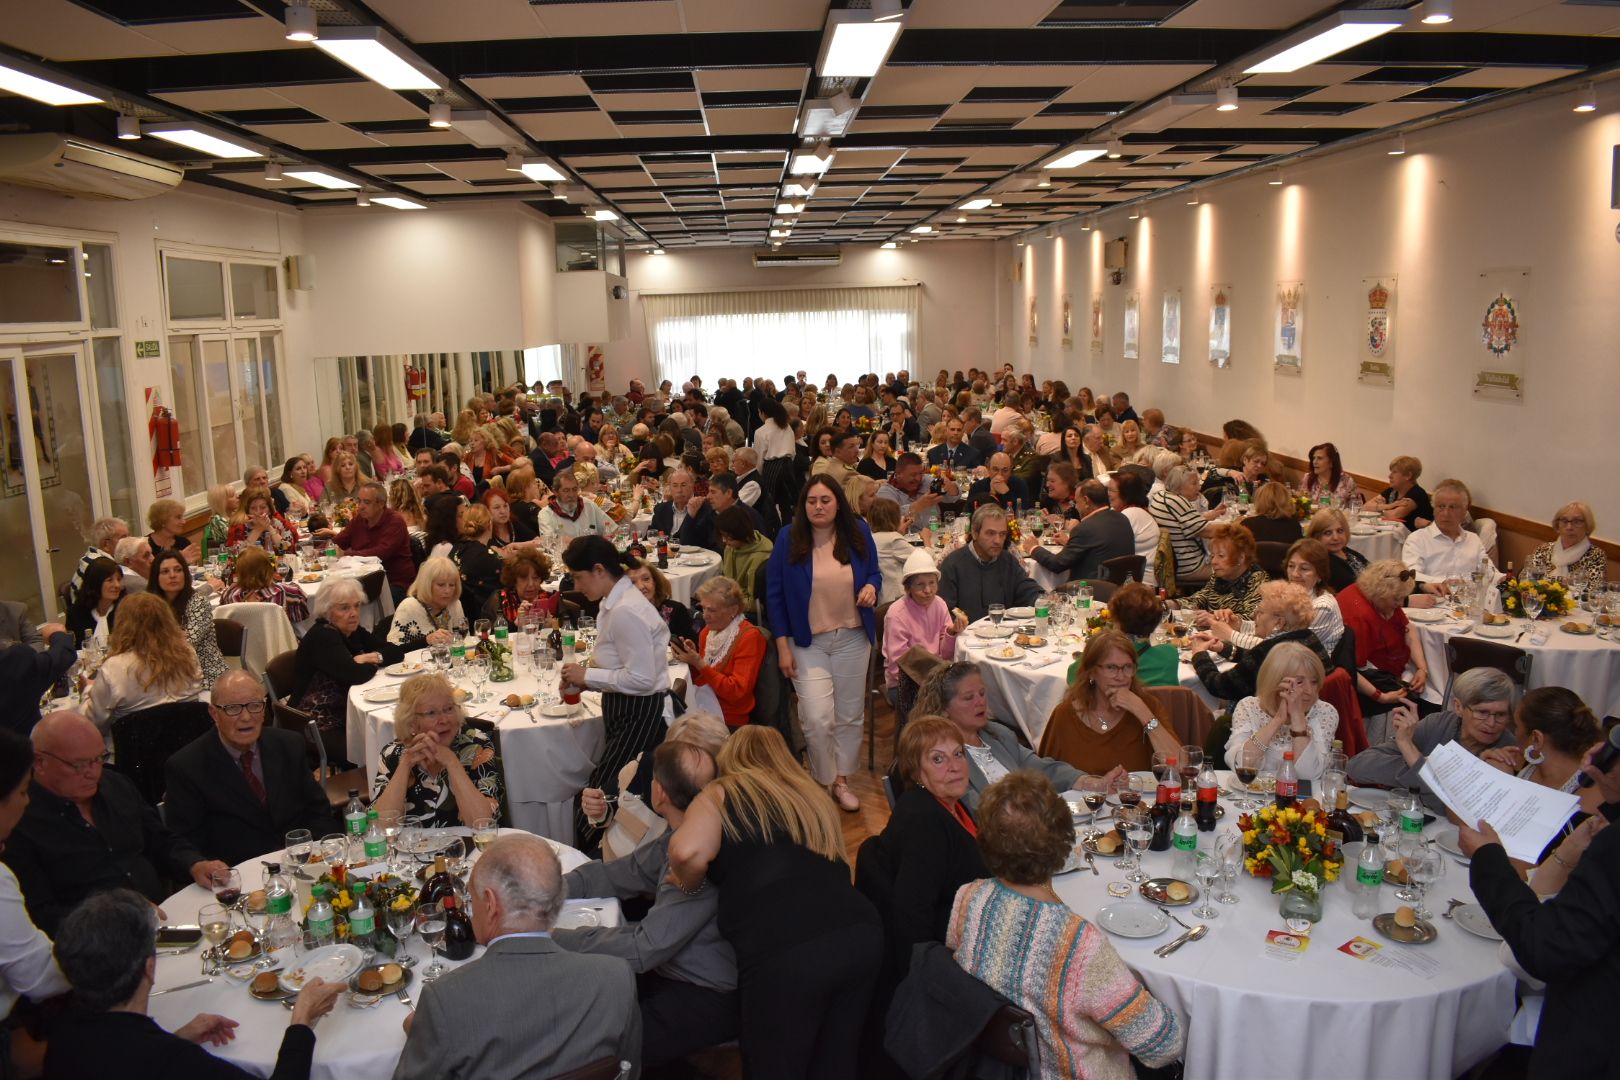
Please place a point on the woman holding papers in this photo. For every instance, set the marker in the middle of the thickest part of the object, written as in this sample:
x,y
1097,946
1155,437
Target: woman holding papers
x,y
1479,719
1553,730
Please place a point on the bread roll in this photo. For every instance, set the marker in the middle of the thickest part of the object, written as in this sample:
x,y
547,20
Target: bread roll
x,y
1178,891
370,980
265,982
1405,916
239,950
1107,843
391,974
256,900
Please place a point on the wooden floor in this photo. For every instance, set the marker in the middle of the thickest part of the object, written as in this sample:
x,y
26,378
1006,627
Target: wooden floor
x,y
868,786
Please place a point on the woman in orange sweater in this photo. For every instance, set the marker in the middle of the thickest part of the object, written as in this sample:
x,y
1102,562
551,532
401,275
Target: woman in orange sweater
x,y
727,654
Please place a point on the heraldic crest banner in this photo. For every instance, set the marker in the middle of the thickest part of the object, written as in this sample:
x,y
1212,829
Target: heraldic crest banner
x,y
1133,325
1503,300
1170,351
1289,336
1378,331
1220,325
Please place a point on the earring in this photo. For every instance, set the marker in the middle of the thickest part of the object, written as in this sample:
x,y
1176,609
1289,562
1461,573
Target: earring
x,y
1533,756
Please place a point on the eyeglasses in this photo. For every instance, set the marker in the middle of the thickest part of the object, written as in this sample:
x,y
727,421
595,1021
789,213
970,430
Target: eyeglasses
x,y
1408,575
1561,522
1117,669
252,708
86,766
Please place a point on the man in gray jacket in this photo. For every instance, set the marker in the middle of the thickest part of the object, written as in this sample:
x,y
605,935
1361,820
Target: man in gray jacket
x,y
984,572
526,1008
1102,534
686,972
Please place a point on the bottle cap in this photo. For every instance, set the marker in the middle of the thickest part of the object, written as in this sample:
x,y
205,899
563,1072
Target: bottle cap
x,y
449,902
1288,755
317,891
357,888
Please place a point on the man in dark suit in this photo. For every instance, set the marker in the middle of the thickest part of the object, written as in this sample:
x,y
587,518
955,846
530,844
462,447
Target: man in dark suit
x,y
1122,408
548,456
1102,534
723,493
527,1007
902,428
27,673
978,434
1000,487
953,452
235,792
684,518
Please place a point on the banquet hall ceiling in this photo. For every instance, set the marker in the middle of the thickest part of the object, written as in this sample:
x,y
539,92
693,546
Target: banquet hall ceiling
x,y
680,114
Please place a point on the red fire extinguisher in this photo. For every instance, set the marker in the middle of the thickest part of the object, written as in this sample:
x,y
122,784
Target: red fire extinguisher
x,y
416,382
165,432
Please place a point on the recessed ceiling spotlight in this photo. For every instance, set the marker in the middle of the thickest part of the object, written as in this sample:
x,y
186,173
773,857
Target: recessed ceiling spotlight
x,y
1436,12
1587,100
1399,148
657,251
888,245
129,127
514,161
1226,98
1018,241
1085,226
1192,200
1051,232
1135,214
301,22
961,219
1044,182
439,114
1276,178
1116,148
922,229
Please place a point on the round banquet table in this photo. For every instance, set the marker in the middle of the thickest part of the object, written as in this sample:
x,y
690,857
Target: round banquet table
x,y
1587,664
350,1043
1384,540
1026,691
546,760
692,568
1323,1013
348,566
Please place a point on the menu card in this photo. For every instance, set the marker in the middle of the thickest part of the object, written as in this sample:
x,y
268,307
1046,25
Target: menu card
x,y
1526,815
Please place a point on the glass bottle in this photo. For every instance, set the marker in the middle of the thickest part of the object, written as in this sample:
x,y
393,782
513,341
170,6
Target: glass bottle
x,y
458,931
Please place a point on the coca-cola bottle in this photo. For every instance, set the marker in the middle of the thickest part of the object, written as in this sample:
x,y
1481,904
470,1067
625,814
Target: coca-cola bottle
x,y
1165,801
1287,782
1207,792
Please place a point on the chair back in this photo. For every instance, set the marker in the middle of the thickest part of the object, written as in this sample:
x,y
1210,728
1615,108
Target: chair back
x,y
372,584
1344,654
280,674
583,604
605,1069
1272,555
759,590
892,787
771,693
1339,691
269,632
1186,713
230,634
1102,590
64,593
1123,568
1464,654
493,730
144,739
1164,564
1010,1038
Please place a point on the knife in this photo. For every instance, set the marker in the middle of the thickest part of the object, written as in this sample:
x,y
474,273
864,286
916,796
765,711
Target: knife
x,y
182,986
1167,949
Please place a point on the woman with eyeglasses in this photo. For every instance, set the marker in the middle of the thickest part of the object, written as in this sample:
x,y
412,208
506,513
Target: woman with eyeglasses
x,y
1572,555
439,767
1108,719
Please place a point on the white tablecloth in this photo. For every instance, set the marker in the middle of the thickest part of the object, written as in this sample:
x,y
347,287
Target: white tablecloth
x,y
691,569
1024,692
546,761
1587,665
1326,1015
348,566
1384,543
350,1044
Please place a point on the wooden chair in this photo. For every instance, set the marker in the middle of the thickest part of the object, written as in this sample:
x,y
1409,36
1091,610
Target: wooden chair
x,y
1463,654
144,739
280,674
1188,715
1010,1038
605,1069
874,687
336,785
373,584
1271,554
232,637
1124,568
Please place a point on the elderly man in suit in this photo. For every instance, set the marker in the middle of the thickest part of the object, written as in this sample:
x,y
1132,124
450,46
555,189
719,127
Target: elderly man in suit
x,y
1101,534
235,792
527,1007
683,517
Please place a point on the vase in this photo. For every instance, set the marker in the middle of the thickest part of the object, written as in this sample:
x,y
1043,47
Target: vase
x,y
1297,905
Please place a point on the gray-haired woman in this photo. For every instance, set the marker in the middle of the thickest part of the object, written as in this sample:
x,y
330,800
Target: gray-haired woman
x,y
337,653
1178,508
1480,718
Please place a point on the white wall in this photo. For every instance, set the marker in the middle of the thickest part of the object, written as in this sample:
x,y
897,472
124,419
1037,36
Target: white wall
x,y
956,316
1524,187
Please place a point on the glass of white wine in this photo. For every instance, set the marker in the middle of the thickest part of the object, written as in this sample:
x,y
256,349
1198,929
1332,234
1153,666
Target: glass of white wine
x,y
485,831
215,921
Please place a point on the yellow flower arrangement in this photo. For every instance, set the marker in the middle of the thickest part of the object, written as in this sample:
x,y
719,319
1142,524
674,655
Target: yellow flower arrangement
x,y
1291,847
1556,598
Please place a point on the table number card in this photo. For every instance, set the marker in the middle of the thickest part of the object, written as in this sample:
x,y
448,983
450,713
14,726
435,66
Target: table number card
x,y
1408,960
1285,945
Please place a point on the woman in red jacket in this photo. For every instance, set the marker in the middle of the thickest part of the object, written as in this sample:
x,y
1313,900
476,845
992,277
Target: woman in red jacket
x,y
727,654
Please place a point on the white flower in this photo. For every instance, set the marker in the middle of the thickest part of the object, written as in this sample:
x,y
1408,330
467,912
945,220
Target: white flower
x,y
1305,882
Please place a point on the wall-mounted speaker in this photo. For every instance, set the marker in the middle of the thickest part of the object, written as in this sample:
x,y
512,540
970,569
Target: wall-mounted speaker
x,y
300,272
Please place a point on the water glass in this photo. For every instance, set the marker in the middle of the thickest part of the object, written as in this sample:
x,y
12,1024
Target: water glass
x,y
1208,872
401,921
1230,852
997,613
441,657
300,846
1425,867
430,927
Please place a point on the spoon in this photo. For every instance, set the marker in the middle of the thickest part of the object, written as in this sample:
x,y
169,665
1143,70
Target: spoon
x,y
1092,862
1451,905
1192,935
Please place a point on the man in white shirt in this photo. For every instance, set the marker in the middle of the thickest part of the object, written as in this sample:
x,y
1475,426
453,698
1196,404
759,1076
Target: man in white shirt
x,y
1444,549
1092,441
569,515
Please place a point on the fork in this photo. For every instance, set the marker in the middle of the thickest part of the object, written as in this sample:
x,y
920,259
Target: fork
x,y
1172,915
405,998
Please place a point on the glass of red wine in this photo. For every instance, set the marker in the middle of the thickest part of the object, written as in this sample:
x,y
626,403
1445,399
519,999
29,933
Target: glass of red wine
x,y
228,887
1246,764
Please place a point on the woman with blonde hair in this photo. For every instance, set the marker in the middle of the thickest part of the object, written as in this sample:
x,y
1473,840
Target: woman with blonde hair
x,y
344,486
1130,441
1284,615
1273,519
222,501
404,501
166,518
431,613
256,583
1331,528
1108,720
479,564
466,421
808,945
1404,500
610,449
150,662
324,471
439,766
1572,555
1286,713
483,457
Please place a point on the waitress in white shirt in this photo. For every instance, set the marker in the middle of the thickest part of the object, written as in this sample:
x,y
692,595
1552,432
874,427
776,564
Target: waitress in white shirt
x,y
774,443
629,665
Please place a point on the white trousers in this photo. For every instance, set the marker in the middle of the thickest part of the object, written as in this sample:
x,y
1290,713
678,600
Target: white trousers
x,y
831,684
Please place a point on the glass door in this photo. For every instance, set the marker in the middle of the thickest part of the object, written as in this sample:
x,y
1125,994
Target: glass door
x,y
47,500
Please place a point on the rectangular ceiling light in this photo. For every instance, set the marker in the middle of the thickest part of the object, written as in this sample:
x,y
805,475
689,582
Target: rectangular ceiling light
x,y
204,142
798,189
541,171
789,208
380,57
320,179
888,245
17,81
483,128
398,202
604,214
810,161
1077,157
1163,112
855,45
1326,37
922,228
975,204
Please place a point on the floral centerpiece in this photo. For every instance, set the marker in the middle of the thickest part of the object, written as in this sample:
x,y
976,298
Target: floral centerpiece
x,y
1303,506
1291,847
1098,621
866,424
344,512
385,891
1556,599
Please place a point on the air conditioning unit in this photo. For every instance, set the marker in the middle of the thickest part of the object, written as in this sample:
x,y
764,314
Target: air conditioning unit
x,y
766,260
76,167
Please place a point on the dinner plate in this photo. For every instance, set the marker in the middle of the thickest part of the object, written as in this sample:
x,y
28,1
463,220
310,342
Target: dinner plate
x,y
1020,613
1446,840
1369,798
990,632
559,711
1472,918
1155,889
408,667
1363,530
1132,920
381,695
577,918
333,963
1425,614
1005,652
1091,846
693,560
1419,934
1489,630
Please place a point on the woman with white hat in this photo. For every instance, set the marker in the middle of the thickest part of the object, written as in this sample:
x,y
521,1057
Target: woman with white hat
x,y
919,618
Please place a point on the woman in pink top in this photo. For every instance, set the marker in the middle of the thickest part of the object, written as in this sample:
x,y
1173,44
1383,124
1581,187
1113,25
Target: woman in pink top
x,y
919,617
385,460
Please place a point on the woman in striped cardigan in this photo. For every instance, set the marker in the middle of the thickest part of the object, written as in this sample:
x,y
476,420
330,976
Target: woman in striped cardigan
x,y
1014,934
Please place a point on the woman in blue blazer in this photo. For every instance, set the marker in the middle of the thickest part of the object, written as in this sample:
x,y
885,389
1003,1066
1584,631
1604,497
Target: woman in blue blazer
x,y
821,586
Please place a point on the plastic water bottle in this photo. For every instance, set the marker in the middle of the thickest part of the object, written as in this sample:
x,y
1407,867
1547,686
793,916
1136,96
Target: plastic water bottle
x,y
280,930
376,844
362,918
1184,840
320,921
1043,617
1369,876
354,816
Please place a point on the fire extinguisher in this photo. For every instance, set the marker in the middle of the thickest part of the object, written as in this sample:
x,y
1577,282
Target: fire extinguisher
x,y
165,432
416,382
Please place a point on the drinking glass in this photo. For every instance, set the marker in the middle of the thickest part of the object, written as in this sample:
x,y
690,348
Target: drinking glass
x,y
1208,872
335,852
1230,851
1192,759
390,825
441,657
481,628
300,848
587,633
477,672
485,832
1532,604
1424,867
401,921
1140,834
430,927
997,613
1246,764
1123,816
215,920
227,886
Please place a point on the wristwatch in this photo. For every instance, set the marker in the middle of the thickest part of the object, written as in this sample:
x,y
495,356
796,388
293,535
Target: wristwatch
x,y
1151,726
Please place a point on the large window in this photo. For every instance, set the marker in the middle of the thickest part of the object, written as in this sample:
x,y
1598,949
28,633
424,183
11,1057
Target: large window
x,y
848,332
545,363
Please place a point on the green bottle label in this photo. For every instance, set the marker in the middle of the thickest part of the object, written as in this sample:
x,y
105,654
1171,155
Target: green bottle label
x,y
1370,876
361,925
278,903
321,928
356,823
376,849
1185,841
1412,822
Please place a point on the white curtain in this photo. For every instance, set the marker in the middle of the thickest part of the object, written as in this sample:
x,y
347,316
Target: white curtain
x,y
843,331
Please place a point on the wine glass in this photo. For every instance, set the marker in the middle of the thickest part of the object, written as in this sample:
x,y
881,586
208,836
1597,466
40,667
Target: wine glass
x,y
300,849
1246,764
1424,867
477,672
586,630
227,885
1533,604
215,920
430,927
1192,759
481,629
1230,851
1123,816
1139,832
485,831
335,853
440,653
1208,872
401,921
997,613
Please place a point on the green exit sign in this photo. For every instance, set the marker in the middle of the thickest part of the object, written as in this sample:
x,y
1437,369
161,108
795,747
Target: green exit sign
x,y
146,349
